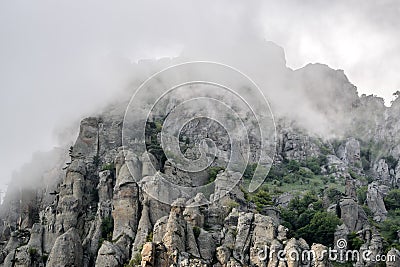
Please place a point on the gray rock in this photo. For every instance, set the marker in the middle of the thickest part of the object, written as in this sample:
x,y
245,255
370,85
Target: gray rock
x,y
375,247
206,245
381,171
191,245
144,230
86,145
125,210
194,216
352,215
349,152
375,195
125,204
297,146
243,237
105,186
159,229
110,255
35,240
273,258
223,255
110,133
149,164
335,165
67,250
350,189
294,247
283,199
393,258
148,255
341,233
282,232
321,257
396,180
174,238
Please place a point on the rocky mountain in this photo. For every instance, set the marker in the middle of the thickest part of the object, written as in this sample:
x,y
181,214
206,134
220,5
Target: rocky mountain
x,y
335,177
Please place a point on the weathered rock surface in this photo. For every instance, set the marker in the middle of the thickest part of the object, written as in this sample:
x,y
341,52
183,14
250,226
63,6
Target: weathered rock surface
x,y
67,250
352,214
375,202
393,257
101,208
349,153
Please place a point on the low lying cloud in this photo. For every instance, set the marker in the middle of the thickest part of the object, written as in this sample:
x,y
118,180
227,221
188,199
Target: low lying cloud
x,y
63,61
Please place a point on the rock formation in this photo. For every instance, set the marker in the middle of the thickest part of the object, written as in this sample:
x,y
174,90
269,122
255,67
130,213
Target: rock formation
x,y
98,207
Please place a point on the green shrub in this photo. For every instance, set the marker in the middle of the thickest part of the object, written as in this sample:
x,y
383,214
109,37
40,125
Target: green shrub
x,y
293,165
333,194
391,161
245,193
365,164
367,211
321,228
149,237
196,231
305,173
276,172
249,171
354,175
96,160
212,173
289,179
301,204
108,167
392,199
107,228
261,198
390,227
325,150
362,194
136,260
298,214
355,242
32,251
158,125
152,129
315,163
44,258
232,204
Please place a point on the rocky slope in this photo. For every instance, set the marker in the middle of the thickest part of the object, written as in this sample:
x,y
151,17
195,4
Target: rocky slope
x,y
90,210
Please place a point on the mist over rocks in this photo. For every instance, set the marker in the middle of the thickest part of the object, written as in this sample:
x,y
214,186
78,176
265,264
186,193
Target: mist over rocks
x,y
324,112
92,202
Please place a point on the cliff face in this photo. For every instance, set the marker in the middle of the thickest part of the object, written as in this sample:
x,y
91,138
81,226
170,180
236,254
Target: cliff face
x,y
92,209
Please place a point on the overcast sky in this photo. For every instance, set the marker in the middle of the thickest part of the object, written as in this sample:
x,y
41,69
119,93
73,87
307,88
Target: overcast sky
x,y
58,58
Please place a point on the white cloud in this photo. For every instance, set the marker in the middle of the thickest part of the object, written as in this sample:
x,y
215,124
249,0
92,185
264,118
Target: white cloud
x,y
62,59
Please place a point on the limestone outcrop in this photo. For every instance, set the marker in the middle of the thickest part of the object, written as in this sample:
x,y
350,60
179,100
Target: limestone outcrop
x,y
106,202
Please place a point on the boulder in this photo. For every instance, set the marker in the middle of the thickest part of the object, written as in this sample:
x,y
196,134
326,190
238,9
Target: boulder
x,y
110,255
321,257
349,153
223,255
352,215
381,171
243,238
393,258
67,250
175,236
148,253
375,195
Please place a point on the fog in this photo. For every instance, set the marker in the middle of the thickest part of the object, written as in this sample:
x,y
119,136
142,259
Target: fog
x,y
63,60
